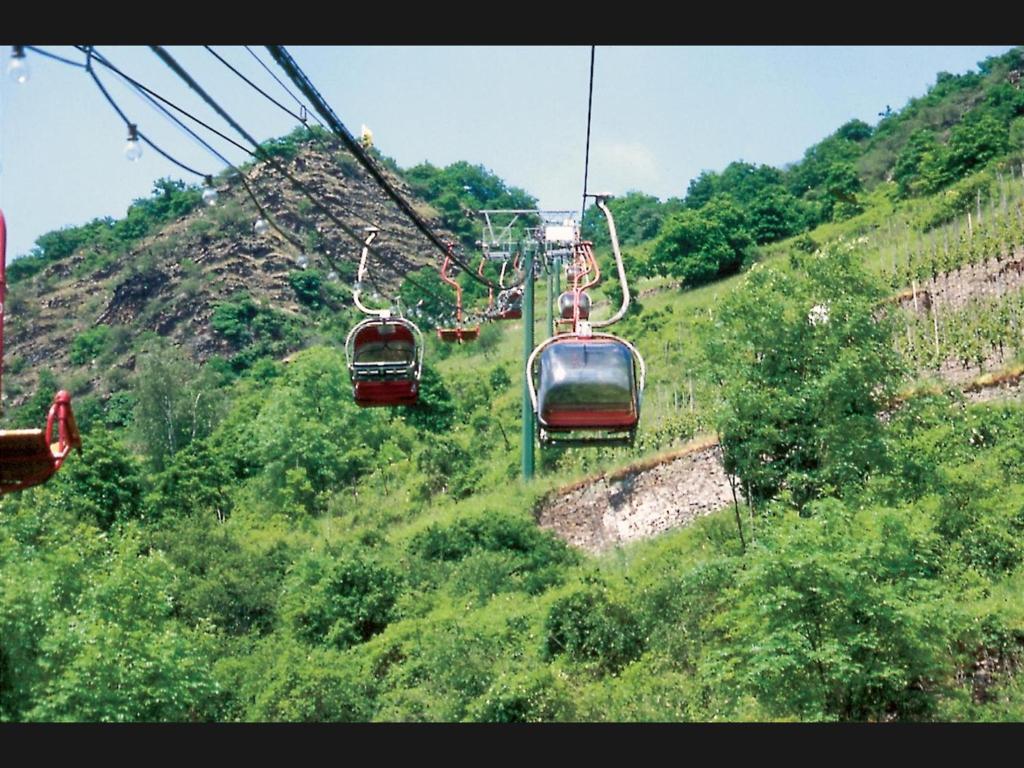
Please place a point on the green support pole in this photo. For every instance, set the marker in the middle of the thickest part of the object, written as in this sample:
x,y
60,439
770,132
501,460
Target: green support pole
x,y
551,301
558,276
527,349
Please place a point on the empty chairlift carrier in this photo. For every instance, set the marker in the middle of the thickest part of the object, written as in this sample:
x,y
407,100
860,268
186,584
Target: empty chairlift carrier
x,y
384,352
29,457
458,333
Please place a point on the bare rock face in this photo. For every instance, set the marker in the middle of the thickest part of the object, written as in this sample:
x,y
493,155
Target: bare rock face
x,y
953,290
639,503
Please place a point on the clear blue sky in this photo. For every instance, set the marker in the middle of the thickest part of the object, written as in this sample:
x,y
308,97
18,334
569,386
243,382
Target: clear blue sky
x,y
661,114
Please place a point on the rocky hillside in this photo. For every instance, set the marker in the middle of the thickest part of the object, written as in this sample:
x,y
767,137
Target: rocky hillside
x,y
641,500
171,281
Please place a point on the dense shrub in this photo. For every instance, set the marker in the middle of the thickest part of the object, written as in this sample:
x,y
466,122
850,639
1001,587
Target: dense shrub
x,y
590,627
534,558
307,285
531,697
339,600
89,344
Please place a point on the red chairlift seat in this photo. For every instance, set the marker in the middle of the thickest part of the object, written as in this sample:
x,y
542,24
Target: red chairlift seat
x,y
29,457
385,361
566,304
586,387
458,334
510,304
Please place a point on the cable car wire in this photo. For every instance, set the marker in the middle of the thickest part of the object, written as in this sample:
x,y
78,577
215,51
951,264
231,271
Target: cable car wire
x,y
586,162
301,117
54,56
153,96
270,72
258,152
328,150
140,134
253,85
303,83
91,54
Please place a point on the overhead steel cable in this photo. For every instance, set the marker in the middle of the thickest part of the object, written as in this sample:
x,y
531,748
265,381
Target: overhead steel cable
x,y
260,153
241,176
155,98
256,154
171,104
257,151
301,116
303,83
586,162
130,124
287,90
55,57
87,66
328,150
253,85
173,120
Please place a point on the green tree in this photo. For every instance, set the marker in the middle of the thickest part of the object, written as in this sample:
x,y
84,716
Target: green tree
x,y
805,363
701,189
774,215
978,138
590,627
834,617
435,411
196,481
429,298
907,170
854,130
743,181
305,436
176,402
89,344
339,599
308,287
256,331
461,189
700,246
934,170
284,680
222,578
808,178
843,186
119,656
638,217
103,484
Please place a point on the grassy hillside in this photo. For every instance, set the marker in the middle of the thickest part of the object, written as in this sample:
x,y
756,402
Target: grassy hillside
x,y
239,541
